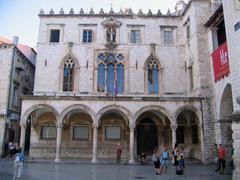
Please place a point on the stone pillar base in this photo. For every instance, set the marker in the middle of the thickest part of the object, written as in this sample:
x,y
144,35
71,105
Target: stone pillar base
x,y
131,161
94,161
57,160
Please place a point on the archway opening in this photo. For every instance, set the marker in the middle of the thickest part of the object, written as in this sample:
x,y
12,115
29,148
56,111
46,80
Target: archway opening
x,y
153,130
77,135
113,129
188,134
226,110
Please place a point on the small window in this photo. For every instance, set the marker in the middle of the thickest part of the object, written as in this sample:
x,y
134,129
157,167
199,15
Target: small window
x,y
180,134
195,134
112,133
168,37
48,132
188,32
87,36
135,36
15,96
54,35
80,133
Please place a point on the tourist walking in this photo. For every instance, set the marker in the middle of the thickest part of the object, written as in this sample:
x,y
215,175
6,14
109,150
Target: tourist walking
x,y
215,154
165,156
156,161
221,159
118,153
10,150
18,165
174,153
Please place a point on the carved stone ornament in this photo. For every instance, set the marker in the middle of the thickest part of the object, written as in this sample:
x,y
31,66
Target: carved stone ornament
x,y
111,21
111,45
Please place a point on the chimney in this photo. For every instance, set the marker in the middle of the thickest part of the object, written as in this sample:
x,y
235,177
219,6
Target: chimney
x,y
15,40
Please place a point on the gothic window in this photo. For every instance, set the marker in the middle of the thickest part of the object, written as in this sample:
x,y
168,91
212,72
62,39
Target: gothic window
x,y
120,78
110,73
153,74
110,79
54,35
135,36
68,77
111,34
101,78
87,36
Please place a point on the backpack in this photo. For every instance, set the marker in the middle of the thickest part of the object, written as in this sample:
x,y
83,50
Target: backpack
x,y
21,157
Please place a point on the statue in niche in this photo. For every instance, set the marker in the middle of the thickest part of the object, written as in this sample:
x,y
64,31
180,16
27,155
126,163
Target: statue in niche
x,y
111,35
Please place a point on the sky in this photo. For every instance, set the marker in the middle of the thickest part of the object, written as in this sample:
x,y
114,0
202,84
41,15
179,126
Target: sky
x,y
20,17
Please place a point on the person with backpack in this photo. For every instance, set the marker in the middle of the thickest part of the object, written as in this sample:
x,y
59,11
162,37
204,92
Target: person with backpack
x,y
18,164
165,156
156,161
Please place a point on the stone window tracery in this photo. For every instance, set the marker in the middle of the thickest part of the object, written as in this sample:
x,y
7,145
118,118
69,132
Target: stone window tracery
x,y
111,73
153,76
68,74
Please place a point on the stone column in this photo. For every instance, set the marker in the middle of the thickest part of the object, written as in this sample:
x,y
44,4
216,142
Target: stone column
x,y
23,133
174,128
58,142
132,128
95,142
236,146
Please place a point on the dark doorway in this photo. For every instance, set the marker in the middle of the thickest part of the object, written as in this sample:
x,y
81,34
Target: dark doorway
x,y
27,137
147,138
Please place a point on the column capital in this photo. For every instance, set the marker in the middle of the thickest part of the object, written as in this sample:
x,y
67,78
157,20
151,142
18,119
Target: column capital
x,y
22,124
95,125
173,127
132,126
59,125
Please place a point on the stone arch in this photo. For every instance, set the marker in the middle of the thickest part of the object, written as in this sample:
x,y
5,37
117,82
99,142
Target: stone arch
x,y
226,102
153,108
186,107
37,107
121,110
80,107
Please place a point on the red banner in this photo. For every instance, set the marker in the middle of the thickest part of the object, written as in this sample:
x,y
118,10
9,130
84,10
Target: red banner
x,y
220,62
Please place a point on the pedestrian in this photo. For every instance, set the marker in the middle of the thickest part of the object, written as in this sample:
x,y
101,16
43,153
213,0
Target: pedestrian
x,y
221,159
215,154
174,153
182,156
156,161
18,165
180,164
165,156
142,158
10,150
118,153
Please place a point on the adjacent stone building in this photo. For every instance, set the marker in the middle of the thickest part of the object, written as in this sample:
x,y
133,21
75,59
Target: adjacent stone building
x,y
17,69
142,80
224,27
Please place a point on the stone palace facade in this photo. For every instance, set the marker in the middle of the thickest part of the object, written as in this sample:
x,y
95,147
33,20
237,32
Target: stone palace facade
x,y
142,80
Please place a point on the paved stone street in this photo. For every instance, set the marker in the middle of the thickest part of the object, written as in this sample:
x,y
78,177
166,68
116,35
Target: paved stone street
x,y
86,171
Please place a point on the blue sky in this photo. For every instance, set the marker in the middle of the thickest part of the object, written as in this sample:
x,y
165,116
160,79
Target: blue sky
x,y
20,17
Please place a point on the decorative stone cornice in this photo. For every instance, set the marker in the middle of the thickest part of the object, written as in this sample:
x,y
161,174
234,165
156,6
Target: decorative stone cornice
x,y
127,12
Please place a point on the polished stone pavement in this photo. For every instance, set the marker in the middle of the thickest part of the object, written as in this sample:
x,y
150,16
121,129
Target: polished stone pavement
x,y
106,171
